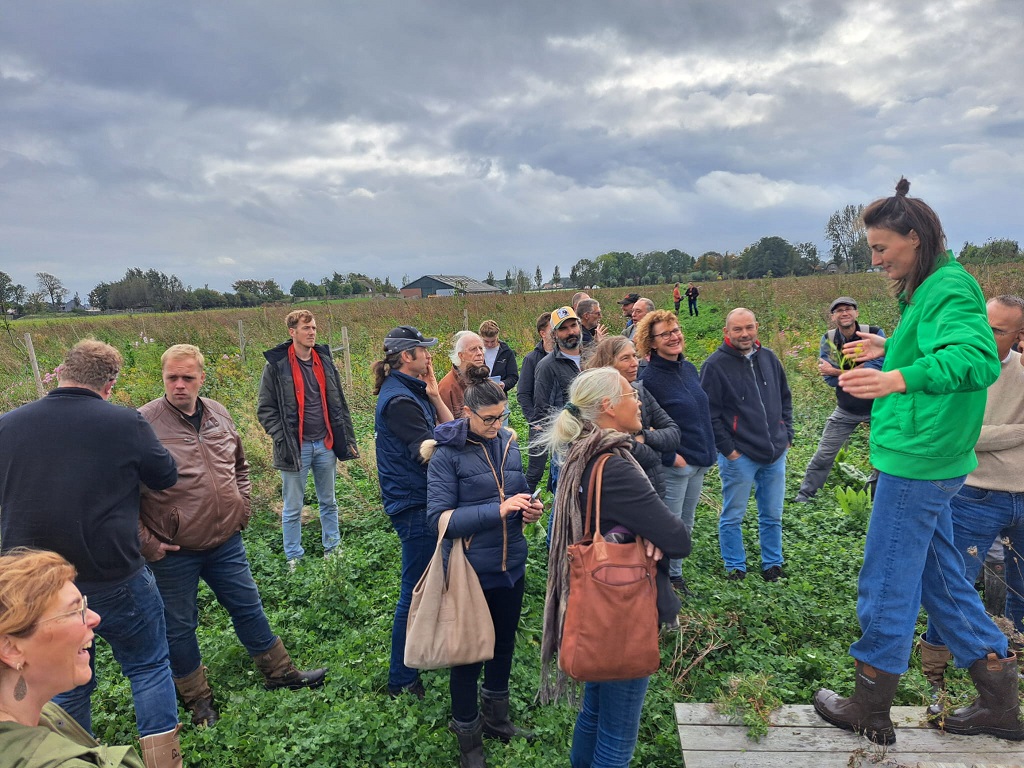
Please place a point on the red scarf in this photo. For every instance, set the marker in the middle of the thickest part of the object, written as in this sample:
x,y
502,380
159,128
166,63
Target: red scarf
x,y
300,391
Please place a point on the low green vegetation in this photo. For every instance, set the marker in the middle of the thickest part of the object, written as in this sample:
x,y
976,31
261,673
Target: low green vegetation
x,y
781,641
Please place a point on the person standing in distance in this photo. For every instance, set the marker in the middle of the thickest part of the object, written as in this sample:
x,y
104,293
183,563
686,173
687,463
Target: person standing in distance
x,y
303,408
409,406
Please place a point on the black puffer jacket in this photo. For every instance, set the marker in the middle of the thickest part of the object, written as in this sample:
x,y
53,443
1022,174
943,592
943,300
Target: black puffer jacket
x,y
464,474
661,436
278,410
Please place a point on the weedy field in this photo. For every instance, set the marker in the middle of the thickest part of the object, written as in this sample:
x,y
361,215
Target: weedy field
x,y
745,643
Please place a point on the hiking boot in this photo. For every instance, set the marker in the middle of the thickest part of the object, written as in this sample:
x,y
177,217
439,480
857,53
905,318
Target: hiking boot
x,y
497,725
867,711
736,575
471,742
934,659
801,499
996,711
679,585
279,671
774,573
197,697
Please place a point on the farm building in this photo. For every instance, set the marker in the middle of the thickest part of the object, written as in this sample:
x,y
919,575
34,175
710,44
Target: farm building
x,y
445,285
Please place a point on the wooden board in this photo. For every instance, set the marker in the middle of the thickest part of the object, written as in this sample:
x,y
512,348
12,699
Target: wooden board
x,y
798,737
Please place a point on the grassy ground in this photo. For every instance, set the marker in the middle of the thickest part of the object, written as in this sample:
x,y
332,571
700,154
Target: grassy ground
x,y
338,613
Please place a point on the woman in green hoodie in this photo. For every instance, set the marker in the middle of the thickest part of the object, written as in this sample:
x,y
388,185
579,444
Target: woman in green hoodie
x,y
929,403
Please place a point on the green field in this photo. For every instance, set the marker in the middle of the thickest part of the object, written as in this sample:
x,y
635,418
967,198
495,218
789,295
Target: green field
x,y
337,613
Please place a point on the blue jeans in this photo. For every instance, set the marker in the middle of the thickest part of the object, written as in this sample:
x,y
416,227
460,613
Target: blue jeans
x,y
418,545
909,561
769,484
132,623
324,464
682,492
608,724
838,428
226,570
979,516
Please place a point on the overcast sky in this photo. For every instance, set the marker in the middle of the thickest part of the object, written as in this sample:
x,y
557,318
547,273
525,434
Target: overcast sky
x,y
219,139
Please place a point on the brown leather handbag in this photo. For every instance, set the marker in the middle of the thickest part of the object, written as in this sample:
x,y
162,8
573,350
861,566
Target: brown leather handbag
x,y
611,617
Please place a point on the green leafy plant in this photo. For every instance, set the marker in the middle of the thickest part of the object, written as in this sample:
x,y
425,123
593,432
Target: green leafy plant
x,y
844,361
749,698
855,503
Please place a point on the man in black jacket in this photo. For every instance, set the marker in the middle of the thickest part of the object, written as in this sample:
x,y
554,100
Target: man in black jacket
x,y
499,357
752,416
70,468
303,408
524,394
556,371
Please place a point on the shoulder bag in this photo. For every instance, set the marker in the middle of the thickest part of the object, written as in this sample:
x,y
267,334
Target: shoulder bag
x,y
449,621
611,616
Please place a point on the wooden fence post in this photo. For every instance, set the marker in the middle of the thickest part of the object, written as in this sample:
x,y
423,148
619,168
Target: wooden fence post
x,y
347,352
35,364
241,341
465,319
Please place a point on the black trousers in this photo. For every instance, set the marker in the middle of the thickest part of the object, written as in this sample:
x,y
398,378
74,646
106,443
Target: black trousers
x,y
506,605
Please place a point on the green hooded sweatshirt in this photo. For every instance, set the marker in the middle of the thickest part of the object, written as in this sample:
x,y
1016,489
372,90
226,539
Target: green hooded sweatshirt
x,y
58,742
945,350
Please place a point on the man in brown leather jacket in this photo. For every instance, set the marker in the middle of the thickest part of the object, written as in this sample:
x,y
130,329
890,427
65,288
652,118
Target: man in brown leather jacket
x,y
193,531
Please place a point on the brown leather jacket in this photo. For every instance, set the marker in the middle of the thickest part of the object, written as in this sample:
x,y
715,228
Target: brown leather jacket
x,y
210,502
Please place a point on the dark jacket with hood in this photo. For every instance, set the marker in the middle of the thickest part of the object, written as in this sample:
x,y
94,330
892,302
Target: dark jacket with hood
x,y
551,381
751,407
661,436
505,367
472,476
278,409
524,394
676,386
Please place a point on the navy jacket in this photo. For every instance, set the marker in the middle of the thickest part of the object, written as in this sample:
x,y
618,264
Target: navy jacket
x,y
676,386
751,407
400,468
70,468
464,474
524,394
551,381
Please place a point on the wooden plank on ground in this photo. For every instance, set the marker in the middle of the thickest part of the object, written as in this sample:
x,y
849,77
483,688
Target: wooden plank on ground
x,y
797,737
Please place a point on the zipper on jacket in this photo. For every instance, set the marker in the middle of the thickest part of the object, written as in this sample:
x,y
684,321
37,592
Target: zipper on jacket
x,y
760,399
501,494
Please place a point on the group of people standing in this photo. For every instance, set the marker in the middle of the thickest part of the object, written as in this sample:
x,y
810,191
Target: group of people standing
x,y
86,543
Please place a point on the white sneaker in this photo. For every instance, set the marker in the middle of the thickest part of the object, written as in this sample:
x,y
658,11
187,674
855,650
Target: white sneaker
x,y
293,564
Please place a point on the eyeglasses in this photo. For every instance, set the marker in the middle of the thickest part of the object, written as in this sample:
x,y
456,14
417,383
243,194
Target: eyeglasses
x,y
490,421
632,393
842,310
1002,332
78,611
667,334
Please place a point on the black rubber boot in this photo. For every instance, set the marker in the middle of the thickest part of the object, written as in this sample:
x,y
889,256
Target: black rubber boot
x,y
471,742
497,725
996,711
867,711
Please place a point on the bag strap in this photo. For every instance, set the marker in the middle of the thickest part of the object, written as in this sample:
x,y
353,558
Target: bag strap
x,y
594,494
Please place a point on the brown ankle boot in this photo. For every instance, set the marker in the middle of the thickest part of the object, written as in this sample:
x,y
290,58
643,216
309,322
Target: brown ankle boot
x,y
867,711
279,671
197,697
162,750
934,659
996,711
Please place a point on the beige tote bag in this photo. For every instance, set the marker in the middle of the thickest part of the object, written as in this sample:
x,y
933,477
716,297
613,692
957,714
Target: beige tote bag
x,y
449,621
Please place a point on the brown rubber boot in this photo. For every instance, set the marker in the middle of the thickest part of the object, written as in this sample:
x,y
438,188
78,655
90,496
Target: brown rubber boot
x,y
162,750
867,711
197,697
471,743
934,659
279,671
996,711
497,725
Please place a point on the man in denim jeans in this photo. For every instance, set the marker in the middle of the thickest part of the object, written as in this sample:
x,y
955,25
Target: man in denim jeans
x,y
752,416
303,408
409,406
88,511
991,502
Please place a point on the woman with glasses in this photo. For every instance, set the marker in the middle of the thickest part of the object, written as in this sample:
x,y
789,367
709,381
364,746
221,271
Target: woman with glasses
x,y
659,435
675,384
46,629
602,412
476,470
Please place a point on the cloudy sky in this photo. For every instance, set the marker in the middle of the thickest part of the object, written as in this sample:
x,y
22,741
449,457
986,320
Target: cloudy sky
x,y
219,140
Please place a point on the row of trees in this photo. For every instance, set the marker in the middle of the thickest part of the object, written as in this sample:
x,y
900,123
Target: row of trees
x,y
351,284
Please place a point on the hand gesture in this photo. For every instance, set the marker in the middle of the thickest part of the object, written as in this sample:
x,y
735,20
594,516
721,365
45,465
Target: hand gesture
x,y
868,383
518,503
870,346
